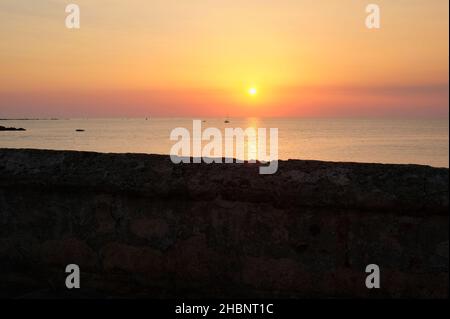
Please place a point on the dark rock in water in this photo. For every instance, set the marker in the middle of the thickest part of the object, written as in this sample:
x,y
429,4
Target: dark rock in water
x,y
3,128
79,130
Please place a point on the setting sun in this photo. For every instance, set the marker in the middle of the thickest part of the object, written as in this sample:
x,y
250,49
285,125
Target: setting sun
x,y
252,91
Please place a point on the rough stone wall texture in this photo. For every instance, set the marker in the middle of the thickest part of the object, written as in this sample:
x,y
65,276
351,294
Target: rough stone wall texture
x,y
138,225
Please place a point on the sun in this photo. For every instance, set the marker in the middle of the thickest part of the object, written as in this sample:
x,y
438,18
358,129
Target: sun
x,y
252,91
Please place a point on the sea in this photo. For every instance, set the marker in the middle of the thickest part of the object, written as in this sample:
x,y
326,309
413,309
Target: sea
x,y
396,141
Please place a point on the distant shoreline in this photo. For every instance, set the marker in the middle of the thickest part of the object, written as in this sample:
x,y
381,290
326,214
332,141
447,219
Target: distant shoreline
x,y
209,117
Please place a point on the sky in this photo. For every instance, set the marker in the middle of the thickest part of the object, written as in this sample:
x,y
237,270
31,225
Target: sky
x,y
305,58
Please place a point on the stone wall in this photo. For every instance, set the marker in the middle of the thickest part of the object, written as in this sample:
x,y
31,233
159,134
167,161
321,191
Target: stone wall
x,y
138,225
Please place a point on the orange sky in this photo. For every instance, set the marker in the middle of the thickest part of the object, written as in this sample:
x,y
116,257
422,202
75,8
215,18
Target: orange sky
x,y
200,57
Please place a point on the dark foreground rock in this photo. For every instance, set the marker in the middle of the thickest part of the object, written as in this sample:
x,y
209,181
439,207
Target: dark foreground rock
x,y
3,128
138,225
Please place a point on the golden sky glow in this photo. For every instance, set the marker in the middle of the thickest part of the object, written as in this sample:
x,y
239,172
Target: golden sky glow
x,y
200,57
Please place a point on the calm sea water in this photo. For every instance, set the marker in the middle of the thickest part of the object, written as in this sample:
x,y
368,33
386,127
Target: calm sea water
x,y
356,140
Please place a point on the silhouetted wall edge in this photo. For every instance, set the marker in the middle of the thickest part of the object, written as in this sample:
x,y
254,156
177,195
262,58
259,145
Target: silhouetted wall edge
x,y
138,225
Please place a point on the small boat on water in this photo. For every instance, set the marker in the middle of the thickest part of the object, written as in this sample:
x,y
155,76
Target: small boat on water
x,y
227,118
79,130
